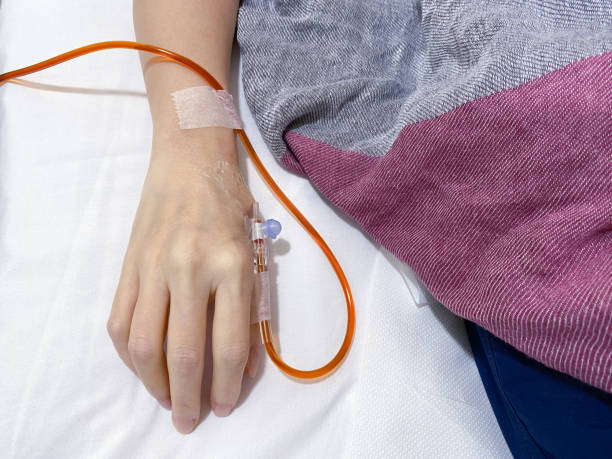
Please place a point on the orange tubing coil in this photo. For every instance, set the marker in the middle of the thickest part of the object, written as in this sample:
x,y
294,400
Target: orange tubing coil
x,y
264,325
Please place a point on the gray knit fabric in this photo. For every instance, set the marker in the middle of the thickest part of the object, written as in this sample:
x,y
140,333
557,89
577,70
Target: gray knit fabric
x,y
353,73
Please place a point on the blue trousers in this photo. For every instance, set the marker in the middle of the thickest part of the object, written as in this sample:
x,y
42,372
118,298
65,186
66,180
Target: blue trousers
x,y
542,413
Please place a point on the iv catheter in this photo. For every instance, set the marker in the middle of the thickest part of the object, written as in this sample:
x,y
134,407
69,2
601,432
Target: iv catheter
x,y
259,231
260,250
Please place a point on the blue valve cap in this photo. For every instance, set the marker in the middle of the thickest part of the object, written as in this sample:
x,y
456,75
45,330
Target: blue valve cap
x,y
271,228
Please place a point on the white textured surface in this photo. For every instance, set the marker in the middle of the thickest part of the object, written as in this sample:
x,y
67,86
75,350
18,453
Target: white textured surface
x,y
72,167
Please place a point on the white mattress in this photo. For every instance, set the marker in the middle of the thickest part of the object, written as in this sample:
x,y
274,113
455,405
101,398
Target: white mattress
x,y
72,164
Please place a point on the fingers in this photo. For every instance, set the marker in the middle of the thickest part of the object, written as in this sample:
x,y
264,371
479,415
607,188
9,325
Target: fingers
x,y
146,341
230,340
185,345
118,324
255,352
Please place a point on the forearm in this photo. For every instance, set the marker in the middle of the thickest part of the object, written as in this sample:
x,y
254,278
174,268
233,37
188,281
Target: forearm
x,y
203,31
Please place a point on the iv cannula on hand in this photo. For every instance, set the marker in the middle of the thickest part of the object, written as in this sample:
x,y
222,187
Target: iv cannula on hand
x,y
264,323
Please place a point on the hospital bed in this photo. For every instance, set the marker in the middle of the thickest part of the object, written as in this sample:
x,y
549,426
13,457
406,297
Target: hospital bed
x,y
74,151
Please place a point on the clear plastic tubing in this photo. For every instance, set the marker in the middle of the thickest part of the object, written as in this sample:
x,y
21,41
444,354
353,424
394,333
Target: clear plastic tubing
x,y
264,325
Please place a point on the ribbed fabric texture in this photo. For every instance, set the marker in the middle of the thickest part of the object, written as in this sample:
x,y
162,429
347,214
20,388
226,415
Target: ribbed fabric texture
x,y
353,73
503,208
470,138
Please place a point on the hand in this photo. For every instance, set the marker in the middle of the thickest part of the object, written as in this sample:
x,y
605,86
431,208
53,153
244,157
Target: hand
x,y
188,245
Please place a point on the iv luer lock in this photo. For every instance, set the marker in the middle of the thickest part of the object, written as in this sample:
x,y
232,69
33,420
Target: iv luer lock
x,y
267,228
259,231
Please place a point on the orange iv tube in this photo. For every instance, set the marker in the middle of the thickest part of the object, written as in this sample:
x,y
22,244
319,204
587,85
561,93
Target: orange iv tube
x,y
264,325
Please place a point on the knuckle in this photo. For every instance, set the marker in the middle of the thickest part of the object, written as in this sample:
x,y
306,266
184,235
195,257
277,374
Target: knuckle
x,y
183,255
234,355
177,252
234,256
116,329
141,349
186,359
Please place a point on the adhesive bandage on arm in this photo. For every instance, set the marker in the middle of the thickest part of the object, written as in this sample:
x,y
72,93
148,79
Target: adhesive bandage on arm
x,y
203,106
269,227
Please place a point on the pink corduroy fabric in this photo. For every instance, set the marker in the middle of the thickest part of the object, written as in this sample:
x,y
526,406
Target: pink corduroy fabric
x,y
503,208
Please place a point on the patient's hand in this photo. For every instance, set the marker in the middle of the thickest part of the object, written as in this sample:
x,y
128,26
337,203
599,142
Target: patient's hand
x,y
187,243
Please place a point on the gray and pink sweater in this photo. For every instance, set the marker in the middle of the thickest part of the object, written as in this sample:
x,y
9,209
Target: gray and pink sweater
x,y
471,138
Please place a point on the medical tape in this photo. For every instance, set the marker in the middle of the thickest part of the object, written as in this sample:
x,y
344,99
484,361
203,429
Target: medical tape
x,y
260,306
203,106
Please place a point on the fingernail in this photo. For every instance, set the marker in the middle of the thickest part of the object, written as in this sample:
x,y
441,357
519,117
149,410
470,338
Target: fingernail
x,y
250,370
253,363
221,410
184,425
253,366
166,404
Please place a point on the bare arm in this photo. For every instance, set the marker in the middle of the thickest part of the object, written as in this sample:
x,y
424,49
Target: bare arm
x,y
187,243
202,30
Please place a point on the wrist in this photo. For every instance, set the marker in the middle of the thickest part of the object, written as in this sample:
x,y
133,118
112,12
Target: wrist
x,y
195,145
196,165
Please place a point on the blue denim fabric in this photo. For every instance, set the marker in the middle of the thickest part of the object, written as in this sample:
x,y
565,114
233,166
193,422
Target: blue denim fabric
x,y
542,413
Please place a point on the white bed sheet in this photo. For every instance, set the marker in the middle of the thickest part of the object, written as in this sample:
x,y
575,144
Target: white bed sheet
x,y
72,165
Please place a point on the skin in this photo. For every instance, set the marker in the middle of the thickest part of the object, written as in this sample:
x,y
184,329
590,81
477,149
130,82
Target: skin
x,y
187,247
